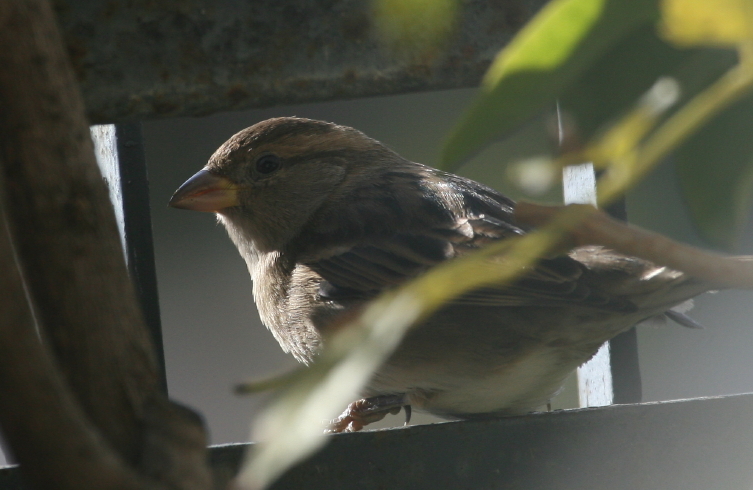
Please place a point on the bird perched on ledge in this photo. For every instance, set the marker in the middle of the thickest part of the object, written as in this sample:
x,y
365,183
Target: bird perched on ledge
x,y
326,218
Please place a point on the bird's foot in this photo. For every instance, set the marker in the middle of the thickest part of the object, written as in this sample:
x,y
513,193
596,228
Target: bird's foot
x,y
368,410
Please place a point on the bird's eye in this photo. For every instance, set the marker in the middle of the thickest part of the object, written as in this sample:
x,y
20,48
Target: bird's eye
x,y
266,164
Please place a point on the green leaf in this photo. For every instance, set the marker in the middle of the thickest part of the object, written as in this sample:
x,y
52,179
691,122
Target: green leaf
x,y
700,22
613,83
546,57
715,170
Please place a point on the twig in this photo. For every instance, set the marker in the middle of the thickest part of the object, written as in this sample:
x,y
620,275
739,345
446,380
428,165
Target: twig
x,y
596,228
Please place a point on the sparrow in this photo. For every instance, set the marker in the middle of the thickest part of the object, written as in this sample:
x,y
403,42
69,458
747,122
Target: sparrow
x,y
327,218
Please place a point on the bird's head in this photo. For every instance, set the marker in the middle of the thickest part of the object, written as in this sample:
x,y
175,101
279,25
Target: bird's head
x,y
267,181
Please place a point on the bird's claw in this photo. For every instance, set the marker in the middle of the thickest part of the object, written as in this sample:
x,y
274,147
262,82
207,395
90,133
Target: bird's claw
x,y
366,411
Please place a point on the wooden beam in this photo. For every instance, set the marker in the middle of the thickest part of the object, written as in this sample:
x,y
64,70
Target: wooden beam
x,y
162,59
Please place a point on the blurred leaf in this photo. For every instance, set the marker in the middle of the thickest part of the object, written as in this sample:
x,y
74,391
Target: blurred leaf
x,y
613,83
615,145
545,58
414,26
535,176
626,170
703,23
715,170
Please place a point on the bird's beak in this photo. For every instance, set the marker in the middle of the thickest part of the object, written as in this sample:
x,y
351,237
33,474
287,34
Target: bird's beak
x,y
205,192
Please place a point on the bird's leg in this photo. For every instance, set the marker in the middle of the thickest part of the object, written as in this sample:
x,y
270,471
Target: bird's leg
x,y
368,410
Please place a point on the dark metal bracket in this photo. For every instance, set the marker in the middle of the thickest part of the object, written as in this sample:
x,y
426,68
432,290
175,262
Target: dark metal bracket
x,y
696,444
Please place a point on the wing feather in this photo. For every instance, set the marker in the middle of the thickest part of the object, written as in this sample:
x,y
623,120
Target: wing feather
x,y
375,263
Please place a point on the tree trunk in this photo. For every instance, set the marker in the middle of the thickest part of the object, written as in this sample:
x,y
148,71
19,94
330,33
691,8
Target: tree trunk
x,y
99,392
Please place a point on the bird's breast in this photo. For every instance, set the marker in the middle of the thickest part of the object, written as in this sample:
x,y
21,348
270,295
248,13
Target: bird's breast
x,y
517,388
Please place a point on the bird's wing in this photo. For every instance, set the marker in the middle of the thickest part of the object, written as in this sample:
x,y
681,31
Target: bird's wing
x,y
365,271
367,268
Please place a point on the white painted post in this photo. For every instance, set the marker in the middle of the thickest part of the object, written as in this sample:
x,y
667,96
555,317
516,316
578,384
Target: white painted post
x,y
106,151
595,376
119,152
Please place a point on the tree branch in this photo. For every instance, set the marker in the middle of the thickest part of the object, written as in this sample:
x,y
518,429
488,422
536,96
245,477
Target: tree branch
x,y
596,228
43,425
65,235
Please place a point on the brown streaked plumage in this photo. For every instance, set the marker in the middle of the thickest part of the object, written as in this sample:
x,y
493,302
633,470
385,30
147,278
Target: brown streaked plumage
x,y
327,218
